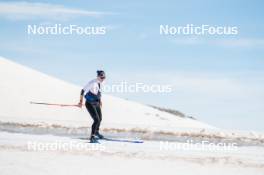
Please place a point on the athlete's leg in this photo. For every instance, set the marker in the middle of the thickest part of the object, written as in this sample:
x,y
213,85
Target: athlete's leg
x,y
99,112
96,120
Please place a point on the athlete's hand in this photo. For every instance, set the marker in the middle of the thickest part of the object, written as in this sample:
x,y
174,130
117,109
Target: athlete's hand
x,y
80,104
101,104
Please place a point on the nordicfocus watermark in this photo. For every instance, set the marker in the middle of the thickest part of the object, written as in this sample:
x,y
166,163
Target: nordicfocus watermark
x,y
125,87
63,146
191,29
197,146
58,29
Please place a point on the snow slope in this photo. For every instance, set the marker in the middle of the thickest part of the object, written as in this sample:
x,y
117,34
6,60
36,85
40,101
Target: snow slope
x,y
49,125
18,156
20,85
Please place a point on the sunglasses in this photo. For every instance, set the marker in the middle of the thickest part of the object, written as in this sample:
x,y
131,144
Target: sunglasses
x,y
102,78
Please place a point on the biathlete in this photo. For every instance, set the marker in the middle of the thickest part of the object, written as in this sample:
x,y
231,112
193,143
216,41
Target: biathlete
x,y
92,94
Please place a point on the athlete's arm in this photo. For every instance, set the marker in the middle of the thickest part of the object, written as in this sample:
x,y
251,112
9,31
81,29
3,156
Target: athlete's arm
x,y
100,102
81,99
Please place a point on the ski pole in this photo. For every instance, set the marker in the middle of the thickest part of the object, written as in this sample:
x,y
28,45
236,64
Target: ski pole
x,y
53,104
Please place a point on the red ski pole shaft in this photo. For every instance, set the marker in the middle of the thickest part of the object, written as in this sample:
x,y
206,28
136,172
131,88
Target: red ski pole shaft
x,y
54,104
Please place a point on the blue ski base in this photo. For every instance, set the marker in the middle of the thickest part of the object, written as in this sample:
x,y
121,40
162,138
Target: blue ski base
x,y
123,140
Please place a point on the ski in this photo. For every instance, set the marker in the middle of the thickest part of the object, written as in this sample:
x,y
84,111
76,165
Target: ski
x,y
87,139
117,140
96,142
123,140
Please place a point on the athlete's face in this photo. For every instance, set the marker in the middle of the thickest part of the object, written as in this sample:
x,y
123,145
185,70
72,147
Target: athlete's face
x,y
101,78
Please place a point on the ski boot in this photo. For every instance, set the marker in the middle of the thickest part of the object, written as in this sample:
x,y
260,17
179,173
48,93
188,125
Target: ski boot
x,y
93,140
99,136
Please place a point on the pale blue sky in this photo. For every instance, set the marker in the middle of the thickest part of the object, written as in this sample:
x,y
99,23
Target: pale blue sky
x,y
218,80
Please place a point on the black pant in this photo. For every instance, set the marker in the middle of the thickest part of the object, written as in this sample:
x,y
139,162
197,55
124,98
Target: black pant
x,y
96,114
